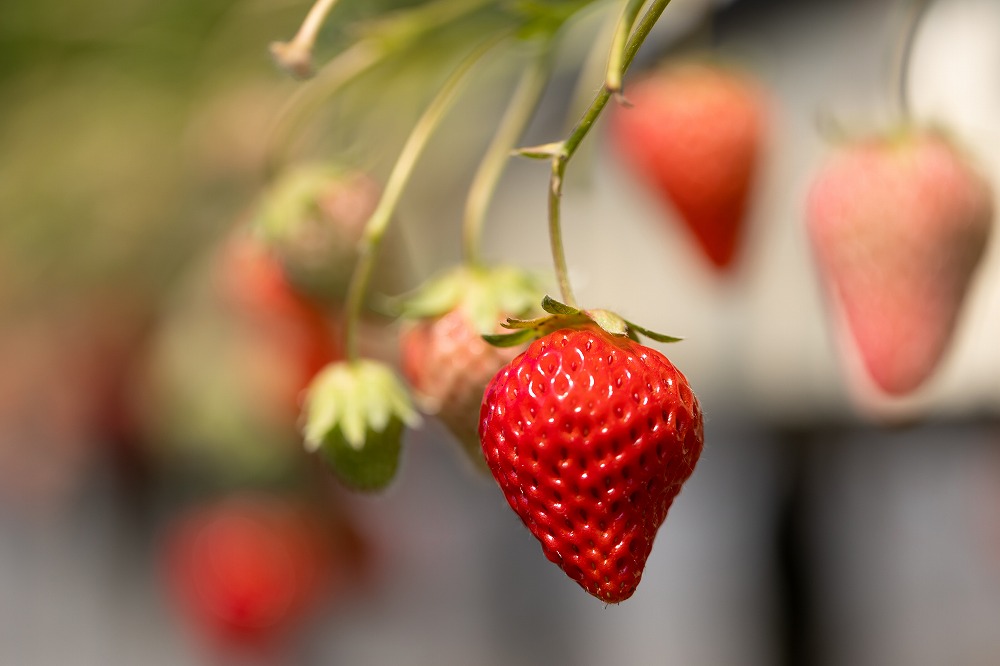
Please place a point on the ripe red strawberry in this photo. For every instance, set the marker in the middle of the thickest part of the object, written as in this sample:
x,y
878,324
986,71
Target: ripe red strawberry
x,y
590,436
245,570
899,225
693,133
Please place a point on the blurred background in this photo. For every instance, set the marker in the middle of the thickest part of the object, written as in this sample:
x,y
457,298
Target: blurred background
x,y
156,506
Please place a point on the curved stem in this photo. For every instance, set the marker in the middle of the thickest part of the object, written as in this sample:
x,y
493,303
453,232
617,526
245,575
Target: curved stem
x,y
515,119
386,37
565,151
340,71
296,55
379,221
904,52
613,78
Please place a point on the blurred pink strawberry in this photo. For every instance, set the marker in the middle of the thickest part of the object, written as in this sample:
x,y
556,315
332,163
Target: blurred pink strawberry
x,y
899,225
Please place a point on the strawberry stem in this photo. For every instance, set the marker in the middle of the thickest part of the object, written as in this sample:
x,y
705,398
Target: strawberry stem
x,y
387,36
515,119
295,56
613,78
343,69
379,221
915,12
565,151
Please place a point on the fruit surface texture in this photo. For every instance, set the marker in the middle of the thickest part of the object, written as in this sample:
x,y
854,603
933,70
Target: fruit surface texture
x,y
899,225
694,134
590,437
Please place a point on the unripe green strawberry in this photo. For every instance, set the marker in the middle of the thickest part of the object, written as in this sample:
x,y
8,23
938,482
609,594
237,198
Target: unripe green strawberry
x,y
590,437
693,132
355,415
899,225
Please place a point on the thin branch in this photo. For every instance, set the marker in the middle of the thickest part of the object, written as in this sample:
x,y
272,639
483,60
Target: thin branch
x,y
565,151
515,119
379,221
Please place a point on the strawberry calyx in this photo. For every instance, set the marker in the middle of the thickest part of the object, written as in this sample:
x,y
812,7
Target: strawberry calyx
x,y
355,413
484,293
562,316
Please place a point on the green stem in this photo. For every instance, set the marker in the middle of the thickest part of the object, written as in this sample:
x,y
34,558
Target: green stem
x,y
515,119
562,156
916,10
613,79
402,30
379,221
340,71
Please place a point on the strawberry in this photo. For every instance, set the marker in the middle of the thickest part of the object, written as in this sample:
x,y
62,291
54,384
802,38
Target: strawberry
x,y
255,285
313,217
898,225
245,570
590,436
693,134
444,356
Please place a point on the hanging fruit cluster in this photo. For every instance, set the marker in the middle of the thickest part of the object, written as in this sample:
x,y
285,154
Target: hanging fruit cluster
x,y
589,433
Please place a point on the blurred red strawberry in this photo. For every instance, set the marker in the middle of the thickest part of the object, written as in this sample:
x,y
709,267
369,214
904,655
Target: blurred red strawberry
x,y
899,224
693,132
247,570
254,284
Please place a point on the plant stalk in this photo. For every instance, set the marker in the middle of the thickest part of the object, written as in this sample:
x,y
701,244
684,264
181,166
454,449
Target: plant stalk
x,y
406,162
562,156
515,119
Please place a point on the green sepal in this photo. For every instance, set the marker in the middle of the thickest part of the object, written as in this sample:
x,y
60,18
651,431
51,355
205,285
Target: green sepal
x,y
293,199
511,339
486,294
561,315
552,306
358,406
652,335
609,321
